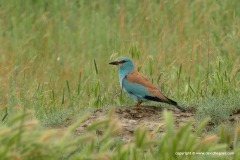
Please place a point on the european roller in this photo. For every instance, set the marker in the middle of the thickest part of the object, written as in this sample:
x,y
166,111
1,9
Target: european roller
x,y
138,86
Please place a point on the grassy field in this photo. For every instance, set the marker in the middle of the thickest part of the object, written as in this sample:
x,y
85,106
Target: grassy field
x,y
54,59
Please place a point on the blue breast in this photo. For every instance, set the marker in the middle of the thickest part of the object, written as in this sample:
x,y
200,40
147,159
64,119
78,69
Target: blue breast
x,y
135,89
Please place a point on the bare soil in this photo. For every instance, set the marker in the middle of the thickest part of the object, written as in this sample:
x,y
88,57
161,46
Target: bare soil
x,y
148,116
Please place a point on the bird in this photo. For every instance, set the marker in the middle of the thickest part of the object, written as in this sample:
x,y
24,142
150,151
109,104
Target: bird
x,y
137,86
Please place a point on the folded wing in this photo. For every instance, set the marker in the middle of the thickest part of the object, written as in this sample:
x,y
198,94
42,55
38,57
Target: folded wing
x,y
139,84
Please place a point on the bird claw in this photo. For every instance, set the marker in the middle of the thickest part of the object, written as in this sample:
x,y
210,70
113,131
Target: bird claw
x,y
138,103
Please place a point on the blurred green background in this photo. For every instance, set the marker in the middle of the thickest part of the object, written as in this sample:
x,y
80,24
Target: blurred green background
x,y
54,69
189,49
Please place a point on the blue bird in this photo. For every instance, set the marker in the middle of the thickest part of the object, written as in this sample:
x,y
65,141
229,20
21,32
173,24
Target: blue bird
x,y
137,86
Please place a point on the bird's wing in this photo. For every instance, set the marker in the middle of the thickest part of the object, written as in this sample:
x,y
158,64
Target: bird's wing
x,y
141,82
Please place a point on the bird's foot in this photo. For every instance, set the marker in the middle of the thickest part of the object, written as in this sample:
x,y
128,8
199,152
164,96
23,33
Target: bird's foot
x,y
138,103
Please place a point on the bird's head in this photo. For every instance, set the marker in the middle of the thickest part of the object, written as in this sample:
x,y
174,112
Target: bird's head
x,y
123,63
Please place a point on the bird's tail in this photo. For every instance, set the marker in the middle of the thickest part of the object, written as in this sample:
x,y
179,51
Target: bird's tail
x,y
166,100
176,105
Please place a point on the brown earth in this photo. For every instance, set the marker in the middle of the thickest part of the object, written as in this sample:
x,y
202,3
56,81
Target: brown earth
x,y
130,117
150,117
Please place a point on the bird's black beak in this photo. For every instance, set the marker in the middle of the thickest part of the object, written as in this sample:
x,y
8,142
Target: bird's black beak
x,y
114,63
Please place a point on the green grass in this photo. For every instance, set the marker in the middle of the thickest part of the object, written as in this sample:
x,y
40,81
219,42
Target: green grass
x,y
218,108
54,55
27,140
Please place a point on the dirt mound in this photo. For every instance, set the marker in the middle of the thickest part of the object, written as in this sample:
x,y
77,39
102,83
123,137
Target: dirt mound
x,y
148,116
131,117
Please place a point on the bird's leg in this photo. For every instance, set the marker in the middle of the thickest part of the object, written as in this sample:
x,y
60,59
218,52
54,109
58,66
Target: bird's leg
x,y
138,103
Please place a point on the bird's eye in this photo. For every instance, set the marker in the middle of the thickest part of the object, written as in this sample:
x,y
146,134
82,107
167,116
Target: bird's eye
x,y
123,61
